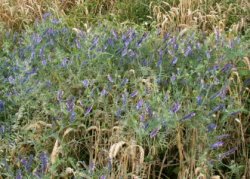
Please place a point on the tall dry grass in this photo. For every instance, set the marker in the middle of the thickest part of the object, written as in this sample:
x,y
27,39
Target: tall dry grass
x,y
202,14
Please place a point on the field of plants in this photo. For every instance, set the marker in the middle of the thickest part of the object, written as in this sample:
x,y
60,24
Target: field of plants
x,y
113,89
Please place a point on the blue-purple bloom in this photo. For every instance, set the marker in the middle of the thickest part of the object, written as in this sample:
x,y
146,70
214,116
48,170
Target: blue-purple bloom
x,y
223,136
199,100
44,161
19,174
1,105
154,132
103,177
227,68
89,109
139,104
188,51
188,116
85,83
70,104
174,61
217,145
217,108
134,94
103,92
176,107
224,155
211,127
114,33
72,116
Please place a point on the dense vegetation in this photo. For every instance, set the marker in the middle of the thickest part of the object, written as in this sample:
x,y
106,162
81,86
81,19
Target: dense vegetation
x,y
115,89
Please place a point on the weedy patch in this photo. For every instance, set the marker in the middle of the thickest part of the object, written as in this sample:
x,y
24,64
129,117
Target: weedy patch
x,y
122,102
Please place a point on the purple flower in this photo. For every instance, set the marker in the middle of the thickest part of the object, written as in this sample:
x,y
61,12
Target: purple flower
x,y
44,62
188,51
78,45
223,136
154,132
174,61
55,21
217,108
217,145
46,15
70,104
11,80
85,83
104,92
114,33
88,110
94,43
124,51
44,161
142,118
138,44
72,116
139,104
65,62
110,42
227,68
149,110
19,174
103,177
110,79
173,77
124,99
1,105
211,127
134,94
176,107
124,82
234,113
188,116
199,100
224,155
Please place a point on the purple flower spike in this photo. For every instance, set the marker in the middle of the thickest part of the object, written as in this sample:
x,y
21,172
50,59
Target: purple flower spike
x,y
223,136
227,68
188,116
139,104
175,59
103,177
104,92
59,95
217,145
199,100
114,33
124,82
1,105
188,51
19,174
224,155
124,51
70,104
88,110
154,132
110,79
134,94
217,108
176,107
211,127
44,161
72,116
85,83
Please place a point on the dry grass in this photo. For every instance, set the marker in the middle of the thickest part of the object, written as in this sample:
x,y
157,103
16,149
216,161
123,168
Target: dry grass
x,y
200,14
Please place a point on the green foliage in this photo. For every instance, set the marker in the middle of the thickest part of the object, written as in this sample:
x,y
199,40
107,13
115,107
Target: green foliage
x,y
68,97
